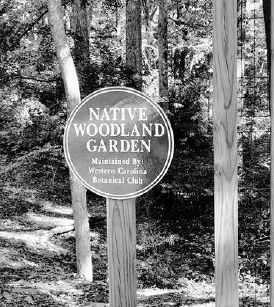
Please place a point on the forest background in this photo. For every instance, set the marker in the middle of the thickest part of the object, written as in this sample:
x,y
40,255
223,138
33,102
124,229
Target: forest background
x,y
175,220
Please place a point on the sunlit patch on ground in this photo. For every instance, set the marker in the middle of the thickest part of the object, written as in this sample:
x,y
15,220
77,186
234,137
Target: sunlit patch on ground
x,y
34,240
47,221
198,290
204,305
50,207
153,291
187,295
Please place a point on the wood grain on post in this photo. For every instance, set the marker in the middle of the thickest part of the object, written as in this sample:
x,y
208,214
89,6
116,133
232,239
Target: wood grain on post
x,y
272,162
225,152
121,226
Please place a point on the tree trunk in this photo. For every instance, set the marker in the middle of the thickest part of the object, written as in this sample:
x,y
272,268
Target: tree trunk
x,y
225,152
272,164
134,44
163,54
80,28
267,23
78,192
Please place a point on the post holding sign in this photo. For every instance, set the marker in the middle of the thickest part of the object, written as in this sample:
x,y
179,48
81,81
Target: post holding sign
x,y
118,143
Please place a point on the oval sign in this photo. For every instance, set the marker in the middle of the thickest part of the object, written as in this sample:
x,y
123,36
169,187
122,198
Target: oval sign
x,y
118,143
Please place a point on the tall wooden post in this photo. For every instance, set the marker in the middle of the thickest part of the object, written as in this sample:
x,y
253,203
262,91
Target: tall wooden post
x,y
272,163
122,174
225,152
121,221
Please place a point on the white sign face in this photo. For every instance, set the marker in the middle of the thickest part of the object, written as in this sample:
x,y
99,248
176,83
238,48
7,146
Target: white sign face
x,y
118,143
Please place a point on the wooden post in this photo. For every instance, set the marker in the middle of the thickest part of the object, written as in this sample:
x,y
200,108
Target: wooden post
x,y
133,172
272,162
225,152
121,227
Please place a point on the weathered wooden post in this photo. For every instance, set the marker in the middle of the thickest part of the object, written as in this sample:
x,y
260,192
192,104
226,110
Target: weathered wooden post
x,y
121,220
225,152
119,144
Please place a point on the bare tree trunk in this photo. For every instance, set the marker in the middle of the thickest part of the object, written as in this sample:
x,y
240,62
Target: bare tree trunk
x,y
163,54
78,192
134,44
267,22
80,27
272,162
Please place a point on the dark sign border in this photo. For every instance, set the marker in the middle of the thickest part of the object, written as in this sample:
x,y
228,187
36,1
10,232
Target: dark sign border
x,y
170,140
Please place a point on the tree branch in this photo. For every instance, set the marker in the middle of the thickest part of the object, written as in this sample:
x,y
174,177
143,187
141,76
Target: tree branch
x,y
182,23
5,8
30,26
152,13
60,230
37,79
16,77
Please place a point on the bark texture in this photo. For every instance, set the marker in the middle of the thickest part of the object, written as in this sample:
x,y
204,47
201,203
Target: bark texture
x,y
163,54
134,44
78,192
267,22
272,163
80,25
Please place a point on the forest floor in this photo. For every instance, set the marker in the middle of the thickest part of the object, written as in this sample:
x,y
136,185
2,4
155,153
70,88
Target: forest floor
x,y
38,266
